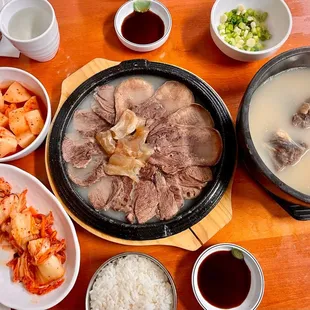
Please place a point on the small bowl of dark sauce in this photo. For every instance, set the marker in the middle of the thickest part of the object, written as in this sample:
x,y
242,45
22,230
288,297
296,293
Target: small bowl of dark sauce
x,y
227,276
143,32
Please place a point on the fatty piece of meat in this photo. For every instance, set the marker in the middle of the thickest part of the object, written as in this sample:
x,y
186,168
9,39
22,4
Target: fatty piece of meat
x,y
302,117
91,174
106,141
168,98
87,123
194,115
134,145
145,201
124,165
112,193
79,152
167,205
130,94
104,105
127,124
179,147
285,151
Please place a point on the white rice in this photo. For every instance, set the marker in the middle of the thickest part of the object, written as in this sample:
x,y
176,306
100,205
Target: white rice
x,y
131,283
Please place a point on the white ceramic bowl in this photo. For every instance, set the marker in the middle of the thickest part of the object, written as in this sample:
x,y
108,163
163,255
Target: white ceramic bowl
x,y
156,7
257,278
13,295
8,74
279,23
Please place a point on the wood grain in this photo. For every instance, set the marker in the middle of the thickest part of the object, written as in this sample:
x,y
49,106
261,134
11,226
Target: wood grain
x,y
280,243
189,239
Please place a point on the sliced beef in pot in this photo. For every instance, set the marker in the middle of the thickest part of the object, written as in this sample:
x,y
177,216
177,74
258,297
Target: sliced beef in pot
x,y
147,172
145,201
195,176
190,181
285,151
130,94
167,205
167,99
87,123
100,193
112,193
179,147
302,117
190,192
91,174
176,189
193,114
104,105
79,151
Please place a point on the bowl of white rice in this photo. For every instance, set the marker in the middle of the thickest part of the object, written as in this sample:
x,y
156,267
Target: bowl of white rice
x,y
131,280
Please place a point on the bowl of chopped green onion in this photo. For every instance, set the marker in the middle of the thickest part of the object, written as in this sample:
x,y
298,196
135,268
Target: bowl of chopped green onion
x,y
252,30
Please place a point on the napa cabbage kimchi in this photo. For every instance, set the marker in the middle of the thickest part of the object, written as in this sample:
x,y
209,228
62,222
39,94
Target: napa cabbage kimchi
x,y
39,256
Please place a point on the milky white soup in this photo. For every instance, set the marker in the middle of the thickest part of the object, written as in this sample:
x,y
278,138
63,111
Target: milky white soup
x,y
272,107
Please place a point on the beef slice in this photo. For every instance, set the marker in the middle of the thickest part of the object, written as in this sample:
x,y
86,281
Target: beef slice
x,y
167,99
87,123
104,105
91,174
179,147
167,205
145,201
130,94
79,152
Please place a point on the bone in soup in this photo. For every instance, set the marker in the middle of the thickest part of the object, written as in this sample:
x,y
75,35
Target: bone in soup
x,y
279,121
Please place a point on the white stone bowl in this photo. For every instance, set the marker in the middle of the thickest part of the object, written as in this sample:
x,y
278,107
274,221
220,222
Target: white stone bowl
x,y
279,23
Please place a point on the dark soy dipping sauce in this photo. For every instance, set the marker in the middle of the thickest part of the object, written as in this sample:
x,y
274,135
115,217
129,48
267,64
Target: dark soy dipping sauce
x,y
143,28
223,280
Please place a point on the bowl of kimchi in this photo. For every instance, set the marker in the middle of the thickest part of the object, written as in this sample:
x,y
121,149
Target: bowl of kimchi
x,y
39,248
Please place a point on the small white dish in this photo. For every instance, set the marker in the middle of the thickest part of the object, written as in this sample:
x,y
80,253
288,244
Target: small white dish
x,y
8,74
41,48
257,278
14,295
157,8
279,23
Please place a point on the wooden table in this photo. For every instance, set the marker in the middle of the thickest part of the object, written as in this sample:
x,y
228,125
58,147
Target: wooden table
x,y
280,243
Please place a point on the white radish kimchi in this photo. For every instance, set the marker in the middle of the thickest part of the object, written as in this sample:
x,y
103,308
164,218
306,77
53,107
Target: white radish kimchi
x,y
39,256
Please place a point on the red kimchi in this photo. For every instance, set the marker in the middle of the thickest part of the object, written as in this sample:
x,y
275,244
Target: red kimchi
x,y
39,254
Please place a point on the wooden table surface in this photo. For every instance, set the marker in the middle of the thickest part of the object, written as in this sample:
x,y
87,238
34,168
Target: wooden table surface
x,y
280,243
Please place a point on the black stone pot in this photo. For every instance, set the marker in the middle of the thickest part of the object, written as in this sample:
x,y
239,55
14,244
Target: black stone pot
x,y
186,218
292,200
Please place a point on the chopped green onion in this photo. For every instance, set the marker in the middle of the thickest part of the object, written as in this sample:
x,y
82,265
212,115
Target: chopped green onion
x,y
244,28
